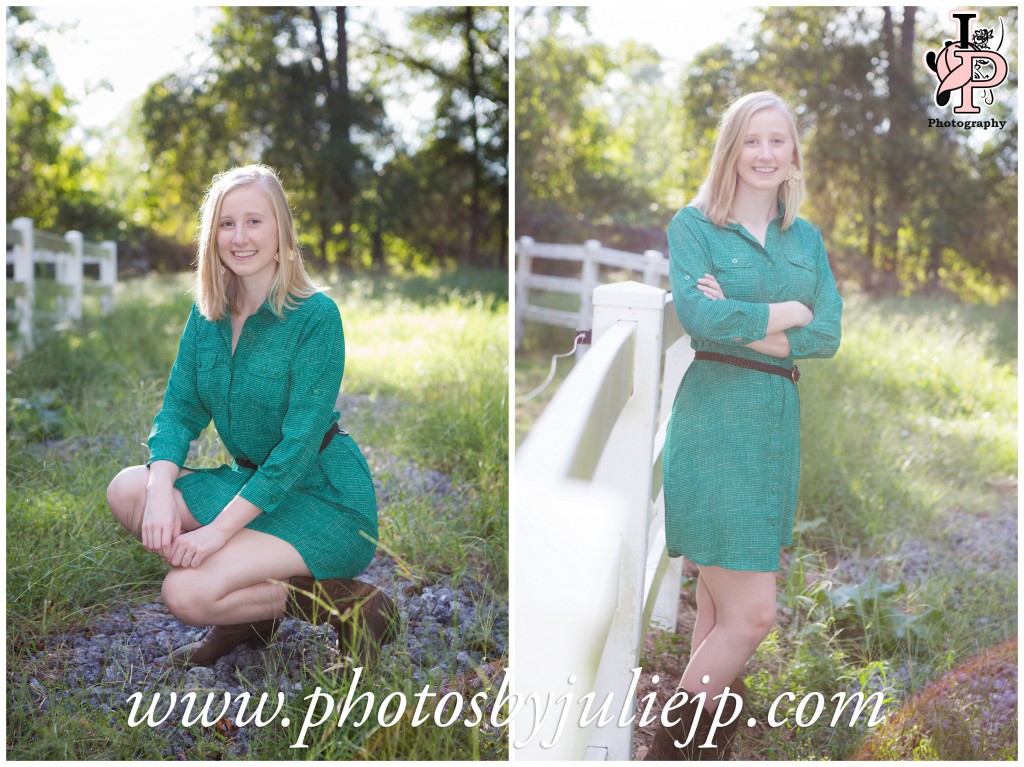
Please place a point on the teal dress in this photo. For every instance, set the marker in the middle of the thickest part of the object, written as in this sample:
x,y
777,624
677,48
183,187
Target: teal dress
x,y
732,449
272,402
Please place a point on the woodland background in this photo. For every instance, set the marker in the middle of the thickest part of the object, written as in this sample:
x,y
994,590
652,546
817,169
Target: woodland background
x,y
277,88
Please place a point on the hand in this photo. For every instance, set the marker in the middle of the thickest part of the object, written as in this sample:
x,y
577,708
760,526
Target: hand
x,y
191,549
161,524
709,286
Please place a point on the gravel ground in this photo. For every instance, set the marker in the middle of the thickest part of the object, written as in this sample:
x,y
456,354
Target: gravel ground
x,y
449,632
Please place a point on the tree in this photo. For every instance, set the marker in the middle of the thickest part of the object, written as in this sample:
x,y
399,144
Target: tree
x,y
279,89
598,136
276,91
464,159
48,177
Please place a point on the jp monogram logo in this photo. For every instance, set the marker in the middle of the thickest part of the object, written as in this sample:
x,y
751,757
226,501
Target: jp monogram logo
x,y
967,65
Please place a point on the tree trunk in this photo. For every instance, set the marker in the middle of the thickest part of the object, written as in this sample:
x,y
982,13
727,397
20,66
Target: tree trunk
x,y
473,80
341,125
902,110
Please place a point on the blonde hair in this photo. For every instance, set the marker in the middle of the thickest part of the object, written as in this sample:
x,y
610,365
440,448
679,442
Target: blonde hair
x,y
215,286
716,194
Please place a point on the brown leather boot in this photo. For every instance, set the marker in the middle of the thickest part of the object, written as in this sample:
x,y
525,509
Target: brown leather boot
x,y
363,616
219,640
663,747
727,735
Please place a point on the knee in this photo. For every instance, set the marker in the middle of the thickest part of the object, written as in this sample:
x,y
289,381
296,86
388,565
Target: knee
x,y
183,596
125,492
759,622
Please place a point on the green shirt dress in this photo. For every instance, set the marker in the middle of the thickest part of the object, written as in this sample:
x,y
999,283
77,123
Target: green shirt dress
x,y
272,402
732,449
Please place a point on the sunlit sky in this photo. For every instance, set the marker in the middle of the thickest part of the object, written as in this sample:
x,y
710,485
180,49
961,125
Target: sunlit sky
x,y
131,46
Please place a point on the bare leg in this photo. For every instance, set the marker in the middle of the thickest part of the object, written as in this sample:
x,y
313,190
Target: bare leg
x,y
705,616
744,604
233,585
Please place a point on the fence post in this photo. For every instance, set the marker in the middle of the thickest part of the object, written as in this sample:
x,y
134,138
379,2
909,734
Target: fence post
x,y
108,274
25,273
589,278
523,269
626,466
652,274
72,273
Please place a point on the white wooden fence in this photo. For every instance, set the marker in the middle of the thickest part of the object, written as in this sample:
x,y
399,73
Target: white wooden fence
x,y
651,266
71,260
591,570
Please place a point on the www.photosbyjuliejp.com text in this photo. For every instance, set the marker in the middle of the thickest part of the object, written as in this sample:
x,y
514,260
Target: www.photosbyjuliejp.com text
x,y
531,711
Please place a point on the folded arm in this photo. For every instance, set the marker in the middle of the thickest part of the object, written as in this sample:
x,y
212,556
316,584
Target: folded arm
x,y
781,317
821,337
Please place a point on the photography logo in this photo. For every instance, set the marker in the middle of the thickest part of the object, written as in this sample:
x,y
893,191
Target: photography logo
x,y
970,65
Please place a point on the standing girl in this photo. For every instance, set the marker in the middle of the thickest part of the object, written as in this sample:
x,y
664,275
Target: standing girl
x,y
752,287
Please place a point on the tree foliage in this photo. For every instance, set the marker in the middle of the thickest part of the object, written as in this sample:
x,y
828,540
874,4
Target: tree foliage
x,y
278,90
291,87
593,126
465,159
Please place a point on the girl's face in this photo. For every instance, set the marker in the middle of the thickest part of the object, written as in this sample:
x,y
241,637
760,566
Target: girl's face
x,y
767,153
247,238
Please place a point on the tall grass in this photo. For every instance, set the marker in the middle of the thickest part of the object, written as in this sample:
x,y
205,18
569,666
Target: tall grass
x,y
426,360
914,418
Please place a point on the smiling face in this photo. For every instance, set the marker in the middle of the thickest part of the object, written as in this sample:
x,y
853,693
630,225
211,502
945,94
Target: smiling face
x,y
767,152
247,235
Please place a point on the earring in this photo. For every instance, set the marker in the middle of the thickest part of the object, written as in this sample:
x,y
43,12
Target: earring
x,y
277,256
793,176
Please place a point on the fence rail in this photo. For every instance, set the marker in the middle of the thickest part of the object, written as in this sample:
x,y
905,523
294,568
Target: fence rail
x,y
48,276
591,567
651,267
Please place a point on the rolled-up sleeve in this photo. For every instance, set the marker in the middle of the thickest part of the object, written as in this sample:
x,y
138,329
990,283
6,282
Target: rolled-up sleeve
x,y
821,338
317,365
182,416
721,321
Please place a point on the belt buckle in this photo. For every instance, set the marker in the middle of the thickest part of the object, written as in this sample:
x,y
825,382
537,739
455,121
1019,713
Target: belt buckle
x,y
794,374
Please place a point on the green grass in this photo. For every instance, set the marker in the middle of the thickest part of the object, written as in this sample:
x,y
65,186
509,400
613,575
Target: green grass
x,y
914,419
427,364
533,365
